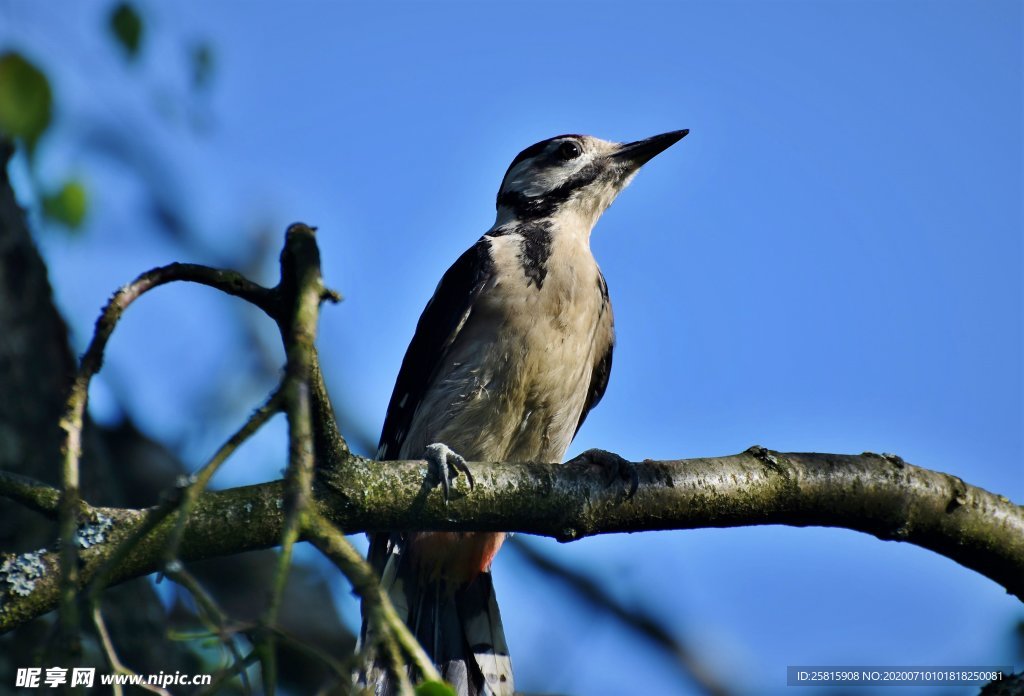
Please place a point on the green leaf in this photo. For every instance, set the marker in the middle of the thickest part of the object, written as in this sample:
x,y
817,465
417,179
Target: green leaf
x,y
434,688
25,99
126,25
67,206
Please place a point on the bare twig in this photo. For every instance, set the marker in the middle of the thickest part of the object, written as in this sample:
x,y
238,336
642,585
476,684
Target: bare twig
x,y
342,671
224,675
74,416
300,279
376,604
113,661
211,614
273,301
203,476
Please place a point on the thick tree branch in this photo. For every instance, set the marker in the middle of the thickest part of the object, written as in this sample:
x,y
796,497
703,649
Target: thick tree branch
x,y
875,494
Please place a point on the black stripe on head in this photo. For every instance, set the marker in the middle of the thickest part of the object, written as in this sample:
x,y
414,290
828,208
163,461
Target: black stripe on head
x,y
536,149
527,207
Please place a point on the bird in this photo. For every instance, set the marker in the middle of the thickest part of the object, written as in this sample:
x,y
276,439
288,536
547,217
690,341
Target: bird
x,y
511,353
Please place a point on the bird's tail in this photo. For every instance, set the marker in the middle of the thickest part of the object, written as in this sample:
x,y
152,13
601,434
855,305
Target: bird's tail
x,y
459,628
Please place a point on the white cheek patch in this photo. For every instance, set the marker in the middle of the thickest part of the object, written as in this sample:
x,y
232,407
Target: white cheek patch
x,y
539,183
532,181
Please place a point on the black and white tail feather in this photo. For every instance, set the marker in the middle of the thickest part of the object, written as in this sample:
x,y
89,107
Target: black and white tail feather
x,y
460,629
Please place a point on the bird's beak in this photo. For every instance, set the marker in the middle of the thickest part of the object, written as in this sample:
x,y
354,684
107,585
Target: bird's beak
x,y
642,151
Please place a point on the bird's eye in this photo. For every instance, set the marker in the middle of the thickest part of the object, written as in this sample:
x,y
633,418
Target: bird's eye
x,y
569,150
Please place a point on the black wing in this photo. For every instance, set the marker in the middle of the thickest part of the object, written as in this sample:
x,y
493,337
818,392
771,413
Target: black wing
x,y
598,383
440,323
602,368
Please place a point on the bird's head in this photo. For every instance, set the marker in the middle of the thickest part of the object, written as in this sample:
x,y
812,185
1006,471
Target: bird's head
x,y
576,175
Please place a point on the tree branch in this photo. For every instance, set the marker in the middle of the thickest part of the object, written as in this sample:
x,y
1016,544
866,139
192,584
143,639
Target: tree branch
x,y
300,279
35,495
377,606
875,494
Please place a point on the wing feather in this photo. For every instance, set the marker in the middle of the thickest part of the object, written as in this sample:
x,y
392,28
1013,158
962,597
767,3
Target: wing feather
x,y
438,327
603,366
598,384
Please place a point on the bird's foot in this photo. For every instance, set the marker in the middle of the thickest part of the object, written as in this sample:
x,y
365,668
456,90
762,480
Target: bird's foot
x,y
444,465
612,465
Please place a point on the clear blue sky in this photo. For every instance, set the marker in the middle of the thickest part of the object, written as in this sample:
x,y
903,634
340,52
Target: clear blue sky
x,y
831,261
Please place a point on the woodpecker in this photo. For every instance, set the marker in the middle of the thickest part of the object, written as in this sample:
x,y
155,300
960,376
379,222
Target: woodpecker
x,y
509,356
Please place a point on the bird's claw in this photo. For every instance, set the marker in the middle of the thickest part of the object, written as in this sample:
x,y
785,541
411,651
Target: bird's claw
x,y
613,466
445,465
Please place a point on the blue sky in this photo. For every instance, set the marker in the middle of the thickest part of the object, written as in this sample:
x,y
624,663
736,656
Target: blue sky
x,y
831,261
